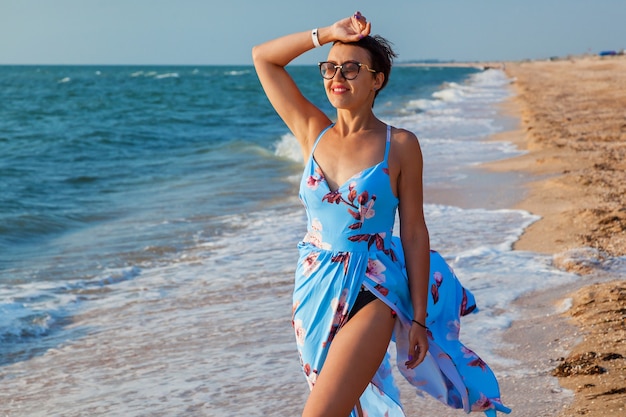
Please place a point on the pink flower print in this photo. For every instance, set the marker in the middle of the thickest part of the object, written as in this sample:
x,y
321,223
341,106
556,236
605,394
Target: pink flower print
x,y
481,404
293,312
340,308
311,378
314,180
454,327
316,225
300,332
366,210
467,352
438,278
374,271
310,264
314,236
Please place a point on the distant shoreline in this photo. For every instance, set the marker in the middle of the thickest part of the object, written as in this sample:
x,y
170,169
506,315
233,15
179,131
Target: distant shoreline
x,y
479,65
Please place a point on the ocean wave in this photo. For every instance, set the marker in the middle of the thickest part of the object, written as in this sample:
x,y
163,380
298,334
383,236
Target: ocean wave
x,y
18,321
454,92
31,311
482,87
288,147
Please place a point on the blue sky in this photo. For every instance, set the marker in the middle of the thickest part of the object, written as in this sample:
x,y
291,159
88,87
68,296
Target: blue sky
x,y
198,32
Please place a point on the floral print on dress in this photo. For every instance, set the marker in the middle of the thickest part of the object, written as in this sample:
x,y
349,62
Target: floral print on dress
x,y
454,327
311,375
311,264
465,308
340,309
314,180
300,332
360,205
434,288
374,271
314,236
482,404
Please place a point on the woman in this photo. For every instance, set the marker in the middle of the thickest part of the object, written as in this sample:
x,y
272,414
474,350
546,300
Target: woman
x,y
353,290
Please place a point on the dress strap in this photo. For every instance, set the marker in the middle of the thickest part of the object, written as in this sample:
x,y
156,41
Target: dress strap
x,y
388,144
320,136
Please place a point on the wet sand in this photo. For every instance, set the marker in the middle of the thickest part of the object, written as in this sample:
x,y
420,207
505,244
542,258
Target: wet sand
x,y
573,126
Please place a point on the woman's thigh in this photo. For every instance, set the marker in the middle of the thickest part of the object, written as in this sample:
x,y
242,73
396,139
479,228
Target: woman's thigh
x,y
353,358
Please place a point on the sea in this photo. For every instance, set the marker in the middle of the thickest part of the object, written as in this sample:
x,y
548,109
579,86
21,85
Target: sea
x,y
148,228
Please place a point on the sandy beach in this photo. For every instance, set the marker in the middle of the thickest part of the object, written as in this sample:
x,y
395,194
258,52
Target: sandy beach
x,y
573,127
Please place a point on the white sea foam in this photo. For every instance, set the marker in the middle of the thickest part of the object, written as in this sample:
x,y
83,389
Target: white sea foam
x,y
237,72
167,75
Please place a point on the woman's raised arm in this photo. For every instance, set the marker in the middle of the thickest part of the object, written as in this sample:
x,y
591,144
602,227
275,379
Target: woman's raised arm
x,y
270,59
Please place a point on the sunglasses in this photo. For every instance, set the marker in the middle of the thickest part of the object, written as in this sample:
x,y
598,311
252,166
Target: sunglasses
x,y
349,70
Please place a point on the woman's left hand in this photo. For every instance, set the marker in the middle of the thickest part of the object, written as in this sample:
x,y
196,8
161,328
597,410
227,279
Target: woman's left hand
x,y
418,345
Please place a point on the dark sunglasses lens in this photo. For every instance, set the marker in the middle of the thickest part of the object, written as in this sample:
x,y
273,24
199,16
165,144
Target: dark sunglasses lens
x,y
350,70
327,70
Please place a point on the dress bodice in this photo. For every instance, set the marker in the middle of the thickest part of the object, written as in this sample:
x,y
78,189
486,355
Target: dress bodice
x,y
359,216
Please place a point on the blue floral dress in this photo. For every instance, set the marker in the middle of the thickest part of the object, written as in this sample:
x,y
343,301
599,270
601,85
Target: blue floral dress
x,y
349,244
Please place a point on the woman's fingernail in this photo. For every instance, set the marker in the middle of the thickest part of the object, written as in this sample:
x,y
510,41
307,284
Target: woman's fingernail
x,y
361,36
410,357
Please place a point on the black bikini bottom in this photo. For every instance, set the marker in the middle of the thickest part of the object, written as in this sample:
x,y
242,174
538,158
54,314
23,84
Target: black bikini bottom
x,y
364,298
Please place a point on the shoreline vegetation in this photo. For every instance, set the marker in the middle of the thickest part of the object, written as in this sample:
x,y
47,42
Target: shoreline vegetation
x,y
572,115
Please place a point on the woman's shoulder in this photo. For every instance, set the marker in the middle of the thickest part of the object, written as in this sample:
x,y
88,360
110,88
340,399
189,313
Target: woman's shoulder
x,y
405,149
405,139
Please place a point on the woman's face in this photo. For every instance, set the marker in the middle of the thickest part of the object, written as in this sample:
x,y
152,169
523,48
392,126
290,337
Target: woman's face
x,y
351,94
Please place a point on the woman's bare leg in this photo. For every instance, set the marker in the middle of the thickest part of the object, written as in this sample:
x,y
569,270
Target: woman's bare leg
x,y
353,358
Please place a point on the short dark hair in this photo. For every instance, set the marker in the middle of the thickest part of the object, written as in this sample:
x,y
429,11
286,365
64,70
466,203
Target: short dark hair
x,y
381,53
